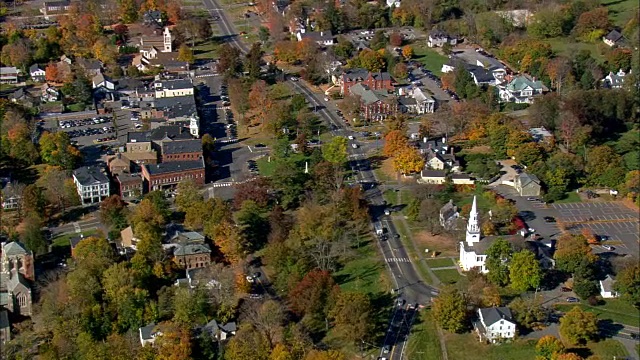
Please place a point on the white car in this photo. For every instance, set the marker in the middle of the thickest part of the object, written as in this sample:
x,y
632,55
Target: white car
x,y
293,78
350,137
355,146
135,119
250,279
608,247
326,98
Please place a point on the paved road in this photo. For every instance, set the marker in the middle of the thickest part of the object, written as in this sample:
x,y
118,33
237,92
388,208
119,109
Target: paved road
x,y
225,25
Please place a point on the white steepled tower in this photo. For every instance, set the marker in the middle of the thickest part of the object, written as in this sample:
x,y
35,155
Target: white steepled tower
x,y
167,40
473,228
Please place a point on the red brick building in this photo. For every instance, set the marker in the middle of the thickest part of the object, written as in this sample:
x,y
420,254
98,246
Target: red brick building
x,y
169,174
375,105
129,185
374,81
183,150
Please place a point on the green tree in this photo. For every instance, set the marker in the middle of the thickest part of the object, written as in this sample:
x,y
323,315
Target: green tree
x,y
528,311
191,306
185,54
94,254
572,251
33,200
450,310
524,271
32,235
253,60
352,316
548,348
604,167
56,150
578,326
188,194
585,287
498,256
335,151
628,284
113,212
252,224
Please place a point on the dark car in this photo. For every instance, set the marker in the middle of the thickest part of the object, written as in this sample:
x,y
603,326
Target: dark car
x,y
573,300
259,145
549,219
565,289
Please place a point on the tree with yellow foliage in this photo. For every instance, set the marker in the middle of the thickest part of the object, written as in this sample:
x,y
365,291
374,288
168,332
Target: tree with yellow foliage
x,y
408,160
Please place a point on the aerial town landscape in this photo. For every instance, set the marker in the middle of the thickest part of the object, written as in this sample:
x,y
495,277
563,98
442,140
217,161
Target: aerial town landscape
x,y
320,180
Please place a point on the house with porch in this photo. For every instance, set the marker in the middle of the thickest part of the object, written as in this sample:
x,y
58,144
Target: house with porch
x,y
521,89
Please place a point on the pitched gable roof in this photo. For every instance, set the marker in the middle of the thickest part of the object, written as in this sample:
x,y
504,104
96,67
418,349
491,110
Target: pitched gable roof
x,y
15,248
495,314
613,36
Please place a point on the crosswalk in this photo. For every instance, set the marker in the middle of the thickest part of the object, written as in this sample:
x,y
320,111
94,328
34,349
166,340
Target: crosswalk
x,y
404,260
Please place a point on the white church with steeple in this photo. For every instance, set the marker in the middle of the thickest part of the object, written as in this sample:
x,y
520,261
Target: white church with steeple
x,y
471,250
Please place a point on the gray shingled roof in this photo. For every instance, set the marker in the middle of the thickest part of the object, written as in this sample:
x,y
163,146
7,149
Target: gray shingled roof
x,y
89,175
174,166
4,319
191,249
170,131
147,331
14,248
494,314
176,84
182,146
433,173
526,178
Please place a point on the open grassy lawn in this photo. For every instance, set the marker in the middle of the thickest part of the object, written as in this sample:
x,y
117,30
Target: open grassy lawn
x,y
63,240
206,50
267,167
365,272
448,276
565,47
431,59
466,346
435,263
614,309
423,341
608,349
620,11
570,197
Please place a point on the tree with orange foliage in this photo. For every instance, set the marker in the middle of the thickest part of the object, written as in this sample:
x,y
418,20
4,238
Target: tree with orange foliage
x,y
394,141
407,51
174,343
408,160
285,51
51,72
306,50
448,81
259,99
395,39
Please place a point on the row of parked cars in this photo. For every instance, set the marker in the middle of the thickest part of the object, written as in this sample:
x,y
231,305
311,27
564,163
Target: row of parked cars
x,y
91,131
64,124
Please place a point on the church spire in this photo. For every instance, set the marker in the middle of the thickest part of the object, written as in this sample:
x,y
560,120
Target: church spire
x,y
473,227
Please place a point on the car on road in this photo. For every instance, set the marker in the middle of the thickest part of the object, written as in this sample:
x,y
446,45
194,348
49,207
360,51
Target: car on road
x,y
532,199
250,279
259,145
573,300
326,98
400,302
255,296
386,349
608,247
350,137
293,78
355,146
604,237
549,219
397,236
387,212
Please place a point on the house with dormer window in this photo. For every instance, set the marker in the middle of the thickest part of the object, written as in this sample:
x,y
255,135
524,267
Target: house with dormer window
x,y
521,90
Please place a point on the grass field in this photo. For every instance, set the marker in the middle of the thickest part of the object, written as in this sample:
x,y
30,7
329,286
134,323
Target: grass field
x,y
564,47
608,349
365,272
466,346
63,240
435,263
614,310
620,11
448,276
570,197
423,341
431,59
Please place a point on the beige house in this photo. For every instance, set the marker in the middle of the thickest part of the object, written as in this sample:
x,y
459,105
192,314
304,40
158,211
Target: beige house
x,y
432,177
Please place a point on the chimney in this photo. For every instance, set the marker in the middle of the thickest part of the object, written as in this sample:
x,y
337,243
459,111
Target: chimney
x,y
424,139
444,140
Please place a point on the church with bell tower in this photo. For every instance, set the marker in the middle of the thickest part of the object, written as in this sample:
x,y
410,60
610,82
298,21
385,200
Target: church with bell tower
x,y
472,249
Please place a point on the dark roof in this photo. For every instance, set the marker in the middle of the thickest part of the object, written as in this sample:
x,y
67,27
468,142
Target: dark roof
x,y
481,74
614,36
18,94
437,33
494,314
128,84
89,64
460,176
317,35
88,175
407,101
170,132
176,84
358,74
433,173
526,179
213,326
177,106
174,167
74,241
34,67
191,249
182,146
129,178
139,136
4,319
147,331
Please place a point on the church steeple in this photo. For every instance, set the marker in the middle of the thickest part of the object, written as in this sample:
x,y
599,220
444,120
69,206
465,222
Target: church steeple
x,y
473,227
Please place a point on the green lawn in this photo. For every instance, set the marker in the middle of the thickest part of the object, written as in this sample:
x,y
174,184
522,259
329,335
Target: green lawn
x,y
620,11
565,47
63,240
423,341
570,197
365,272
613,309
435,263
607,349
466,346
206,50
448,276
431,59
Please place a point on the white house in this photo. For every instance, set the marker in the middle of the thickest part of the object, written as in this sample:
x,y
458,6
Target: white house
x,y
103,83
614,81
173,88
322,38
424,100
606,288
438,38
9,75
92,184
495,324
148,334
432,177
521,90
36,73
612,38
393,3
221,331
